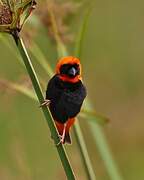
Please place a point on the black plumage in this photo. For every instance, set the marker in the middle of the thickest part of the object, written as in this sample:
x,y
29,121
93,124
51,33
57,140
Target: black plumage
x,y
66,98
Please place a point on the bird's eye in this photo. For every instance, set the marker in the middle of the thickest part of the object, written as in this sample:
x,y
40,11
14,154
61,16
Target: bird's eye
x,y
64,68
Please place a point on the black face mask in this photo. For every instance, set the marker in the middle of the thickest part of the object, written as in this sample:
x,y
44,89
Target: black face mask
x,y
71,70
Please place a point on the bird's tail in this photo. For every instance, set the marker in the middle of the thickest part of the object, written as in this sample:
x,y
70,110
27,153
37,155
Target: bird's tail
x,y
67,138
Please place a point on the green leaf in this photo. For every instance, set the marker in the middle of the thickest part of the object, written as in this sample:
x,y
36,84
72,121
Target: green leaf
x,y
27,8
41,59
18,88
81,34
94,117
24,90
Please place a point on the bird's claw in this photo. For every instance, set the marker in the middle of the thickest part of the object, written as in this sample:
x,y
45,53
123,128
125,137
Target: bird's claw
x,y
45,103
62,137
61,140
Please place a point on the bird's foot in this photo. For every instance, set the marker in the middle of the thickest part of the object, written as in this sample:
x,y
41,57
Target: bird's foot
x,y
62,137
45,103
62,140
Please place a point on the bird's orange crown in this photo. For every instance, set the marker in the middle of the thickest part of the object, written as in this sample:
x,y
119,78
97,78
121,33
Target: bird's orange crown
x,y
70,61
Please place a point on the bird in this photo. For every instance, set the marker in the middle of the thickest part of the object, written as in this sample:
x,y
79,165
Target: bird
x,y
65,94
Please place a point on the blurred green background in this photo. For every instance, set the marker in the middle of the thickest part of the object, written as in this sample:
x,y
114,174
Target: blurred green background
x,y
112,60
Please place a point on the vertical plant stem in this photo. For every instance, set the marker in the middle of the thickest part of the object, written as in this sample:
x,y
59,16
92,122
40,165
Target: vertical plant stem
x,y
97,131
79,41
38,91
104,150
83,150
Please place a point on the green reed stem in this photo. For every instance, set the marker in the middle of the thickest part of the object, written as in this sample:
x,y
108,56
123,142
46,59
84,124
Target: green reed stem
x,y
83,151
105,152
95,128
32,74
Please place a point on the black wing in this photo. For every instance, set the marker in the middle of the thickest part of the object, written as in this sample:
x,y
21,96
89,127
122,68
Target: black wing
x,y
53,92
70,102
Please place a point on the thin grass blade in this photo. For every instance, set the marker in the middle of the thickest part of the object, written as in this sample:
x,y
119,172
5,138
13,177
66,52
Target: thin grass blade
x,y
82,32
97,132
41,59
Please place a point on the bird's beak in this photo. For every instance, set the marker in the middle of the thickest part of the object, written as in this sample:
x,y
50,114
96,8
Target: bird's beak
x,y
72,72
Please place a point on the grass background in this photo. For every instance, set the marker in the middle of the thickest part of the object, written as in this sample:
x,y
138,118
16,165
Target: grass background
x,y
112,59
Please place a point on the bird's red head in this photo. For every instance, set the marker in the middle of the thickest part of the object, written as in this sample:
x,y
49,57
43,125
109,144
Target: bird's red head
x,y
69,69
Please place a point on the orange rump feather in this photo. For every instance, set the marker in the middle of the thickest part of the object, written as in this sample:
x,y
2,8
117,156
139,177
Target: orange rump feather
x,y
60,126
